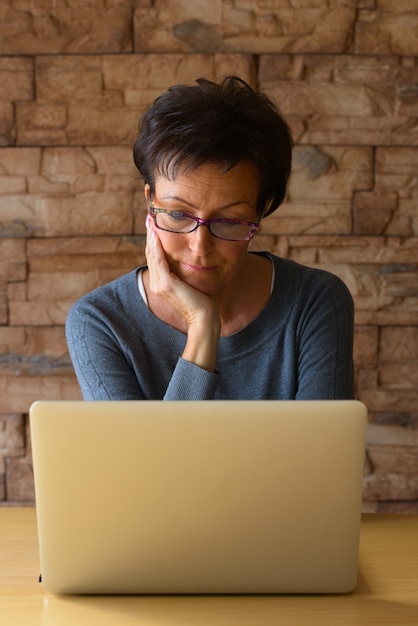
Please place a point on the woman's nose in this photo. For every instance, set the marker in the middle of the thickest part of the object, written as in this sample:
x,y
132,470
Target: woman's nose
x,y
201,240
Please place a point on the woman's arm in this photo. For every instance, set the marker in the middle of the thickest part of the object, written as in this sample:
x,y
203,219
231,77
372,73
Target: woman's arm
x,y
325,336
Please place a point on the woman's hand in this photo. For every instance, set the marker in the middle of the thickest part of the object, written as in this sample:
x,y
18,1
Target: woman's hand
x,y
198,310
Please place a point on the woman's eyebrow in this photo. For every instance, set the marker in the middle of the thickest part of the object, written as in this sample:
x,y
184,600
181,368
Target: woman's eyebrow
x,y
179,199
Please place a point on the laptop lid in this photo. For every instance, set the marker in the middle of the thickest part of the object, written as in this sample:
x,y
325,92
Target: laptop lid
x,y
198,497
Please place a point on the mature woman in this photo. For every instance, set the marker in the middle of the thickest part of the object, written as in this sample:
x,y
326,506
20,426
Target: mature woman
x,y
206,318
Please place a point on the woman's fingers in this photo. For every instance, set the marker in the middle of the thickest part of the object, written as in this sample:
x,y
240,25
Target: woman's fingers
x,y
159,271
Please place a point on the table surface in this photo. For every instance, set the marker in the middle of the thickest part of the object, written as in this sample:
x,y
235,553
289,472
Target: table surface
x,y
387,591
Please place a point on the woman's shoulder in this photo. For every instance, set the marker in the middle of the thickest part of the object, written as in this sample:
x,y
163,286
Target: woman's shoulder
x,y
293,276
120,292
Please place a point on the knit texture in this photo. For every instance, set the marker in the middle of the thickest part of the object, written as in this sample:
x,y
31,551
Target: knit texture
x,y
299,347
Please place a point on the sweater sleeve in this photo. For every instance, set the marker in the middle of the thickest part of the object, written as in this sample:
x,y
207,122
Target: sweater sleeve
x,y
102,369
325,336
190,382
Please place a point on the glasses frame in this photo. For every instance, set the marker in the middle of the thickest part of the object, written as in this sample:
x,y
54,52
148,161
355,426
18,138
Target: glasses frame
x,y
254,226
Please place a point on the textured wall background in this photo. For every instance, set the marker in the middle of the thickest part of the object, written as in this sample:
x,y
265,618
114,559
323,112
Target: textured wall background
x,y
75,78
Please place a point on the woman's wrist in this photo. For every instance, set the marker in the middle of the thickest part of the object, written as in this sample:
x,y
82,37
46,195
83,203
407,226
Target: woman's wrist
x,y
202,343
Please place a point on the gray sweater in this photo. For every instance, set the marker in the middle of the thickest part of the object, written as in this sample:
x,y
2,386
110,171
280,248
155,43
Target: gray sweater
x,y
299,347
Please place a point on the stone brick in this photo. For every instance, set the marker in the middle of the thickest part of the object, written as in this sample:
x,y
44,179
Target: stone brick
x,y
12,268
89,213
399,344
249,26
322,99
16,291
396,170
11,339
32,341
397,459
360,130
94,124
18,215
20,162
305,256
19,392
73,171
16,75
99,99
16,272
50,27
141,78
373,212
369,507
7,124
399,375
12,438
44,313
122,259
388,293
406,427
74,246
384,399
386,251
65,79
38,365
366,346
12,184
270,242
380,311
382,485
320,192
398,508
19,480
391,29
49,286
41,124
398,436
12,251
18,476
344,99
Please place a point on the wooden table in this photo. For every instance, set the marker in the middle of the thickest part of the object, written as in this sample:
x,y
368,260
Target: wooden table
x,y
387,592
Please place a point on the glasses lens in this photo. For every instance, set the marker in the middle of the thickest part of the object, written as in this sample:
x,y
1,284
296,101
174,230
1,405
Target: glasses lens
x,y
175,221
231,231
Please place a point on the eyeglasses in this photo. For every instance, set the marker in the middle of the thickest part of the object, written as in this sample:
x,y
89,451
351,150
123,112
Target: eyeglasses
x,y
221,228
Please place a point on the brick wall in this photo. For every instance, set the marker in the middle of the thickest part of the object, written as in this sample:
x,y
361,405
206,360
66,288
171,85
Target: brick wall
x,y
74,80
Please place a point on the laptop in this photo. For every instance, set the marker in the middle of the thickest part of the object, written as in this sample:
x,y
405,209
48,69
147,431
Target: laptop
x,y
208,497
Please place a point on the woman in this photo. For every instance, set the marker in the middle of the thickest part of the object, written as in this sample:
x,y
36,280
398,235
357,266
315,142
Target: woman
x,y
206,318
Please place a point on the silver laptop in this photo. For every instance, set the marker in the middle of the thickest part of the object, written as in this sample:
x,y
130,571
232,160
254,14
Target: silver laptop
x,y
198,497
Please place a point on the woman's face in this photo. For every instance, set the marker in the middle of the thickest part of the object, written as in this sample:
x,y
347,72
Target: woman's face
x,y
200,259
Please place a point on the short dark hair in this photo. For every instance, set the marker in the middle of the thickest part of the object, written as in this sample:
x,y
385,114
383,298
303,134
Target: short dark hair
x,y
224,124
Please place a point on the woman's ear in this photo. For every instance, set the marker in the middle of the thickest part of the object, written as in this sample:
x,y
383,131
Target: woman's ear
x,y
147,193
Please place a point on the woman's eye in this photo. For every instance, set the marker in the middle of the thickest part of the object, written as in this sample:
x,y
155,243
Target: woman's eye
x,y
178,216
